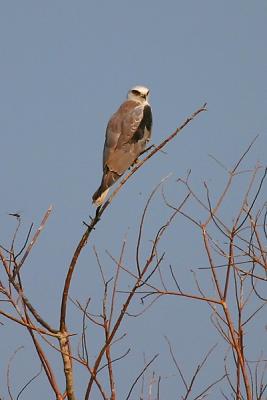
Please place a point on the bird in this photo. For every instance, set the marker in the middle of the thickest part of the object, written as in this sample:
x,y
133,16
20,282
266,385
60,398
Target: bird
x,y
127,134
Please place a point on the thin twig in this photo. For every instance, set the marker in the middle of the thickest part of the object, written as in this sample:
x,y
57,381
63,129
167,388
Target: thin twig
x,y
176,363
33,241
29,382
139,376
8,370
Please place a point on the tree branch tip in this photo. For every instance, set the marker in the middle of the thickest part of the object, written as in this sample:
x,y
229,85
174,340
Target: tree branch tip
x,y
72,334
110,279
16,215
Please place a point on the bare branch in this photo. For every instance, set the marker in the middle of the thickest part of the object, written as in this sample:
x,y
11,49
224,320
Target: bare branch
x,y
29,382
100,211
139,376
8,371
33,241
176,364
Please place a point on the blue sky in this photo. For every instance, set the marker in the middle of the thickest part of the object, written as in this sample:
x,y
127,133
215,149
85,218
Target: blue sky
x,y
65,68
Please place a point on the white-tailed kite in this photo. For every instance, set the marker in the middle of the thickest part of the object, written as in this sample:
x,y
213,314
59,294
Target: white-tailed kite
x,y
127,134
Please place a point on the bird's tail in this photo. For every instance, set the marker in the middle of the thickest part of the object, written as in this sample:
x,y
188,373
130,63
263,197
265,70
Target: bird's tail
x,y
109,178
99,196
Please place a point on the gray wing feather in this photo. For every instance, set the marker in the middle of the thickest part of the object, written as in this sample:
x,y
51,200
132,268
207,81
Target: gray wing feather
x,y
128,132
119,150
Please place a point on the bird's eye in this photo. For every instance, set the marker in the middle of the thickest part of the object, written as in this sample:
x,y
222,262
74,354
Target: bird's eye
x,y
135,92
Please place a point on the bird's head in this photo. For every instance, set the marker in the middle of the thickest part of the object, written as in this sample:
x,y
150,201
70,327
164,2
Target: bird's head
x,y
139,93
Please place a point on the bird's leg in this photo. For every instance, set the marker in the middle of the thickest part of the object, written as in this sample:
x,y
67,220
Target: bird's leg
x,y
136,161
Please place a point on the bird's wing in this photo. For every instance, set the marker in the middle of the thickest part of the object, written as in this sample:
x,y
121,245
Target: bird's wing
x,y
128,131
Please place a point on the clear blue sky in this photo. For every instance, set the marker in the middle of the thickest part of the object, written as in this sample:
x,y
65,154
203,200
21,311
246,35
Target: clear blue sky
x,y
65,67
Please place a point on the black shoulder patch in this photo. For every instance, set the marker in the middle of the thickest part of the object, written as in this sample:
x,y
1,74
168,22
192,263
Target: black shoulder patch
x,y
147,118
146,122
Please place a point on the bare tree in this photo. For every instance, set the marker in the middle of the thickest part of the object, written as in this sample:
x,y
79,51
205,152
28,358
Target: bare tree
x,y
235,277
